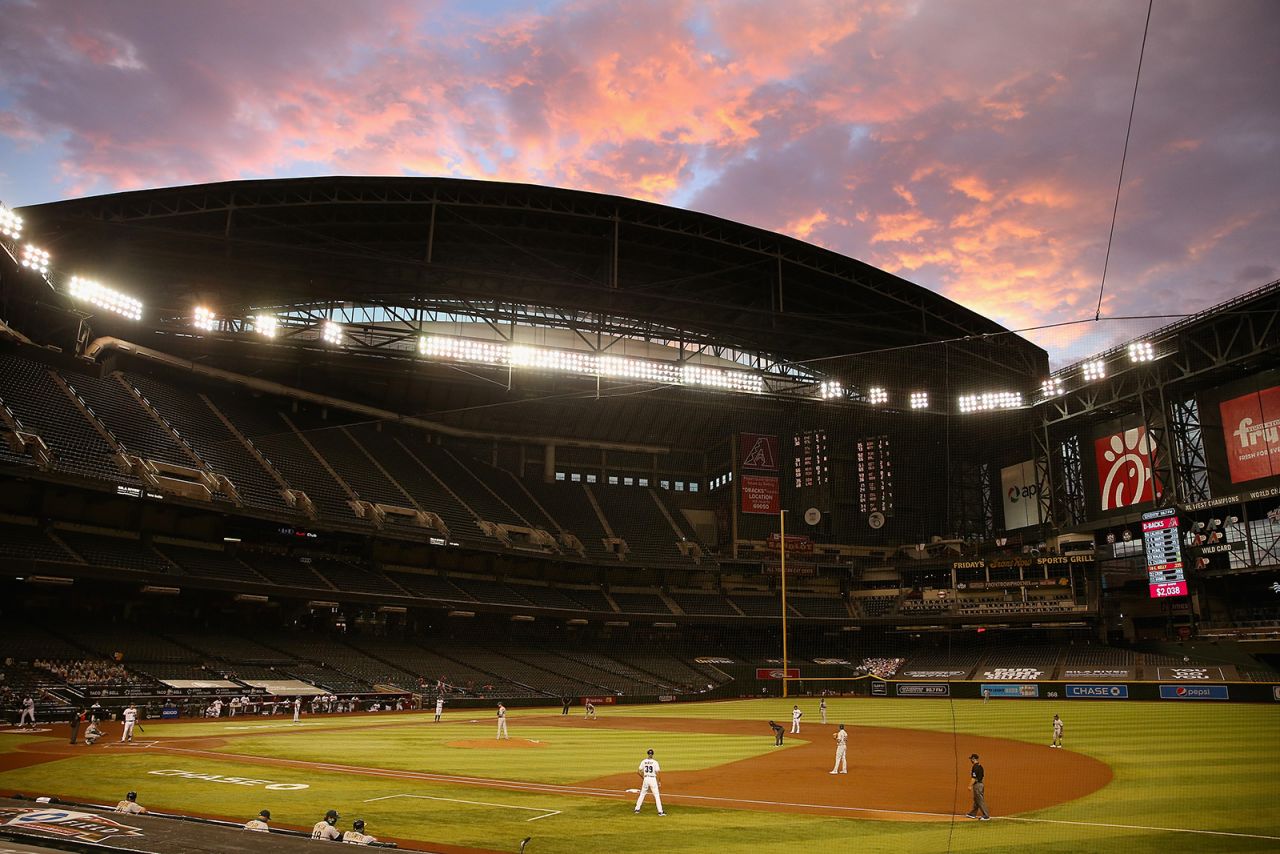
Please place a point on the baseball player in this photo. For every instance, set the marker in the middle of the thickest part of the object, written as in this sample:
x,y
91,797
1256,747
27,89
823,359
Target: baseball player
x,y
977,776
795,719
130,719
502,723
324,829
649,771
564,706
28,717
822,709
986,695
259,824
1057,732
130,805
356,835
777,733
297,709
591,711
439,706
92,733
76,717
842,749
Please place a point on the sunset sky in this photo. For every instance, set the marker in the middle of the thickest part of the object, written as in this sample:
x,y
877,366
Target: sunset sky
x,y
972,147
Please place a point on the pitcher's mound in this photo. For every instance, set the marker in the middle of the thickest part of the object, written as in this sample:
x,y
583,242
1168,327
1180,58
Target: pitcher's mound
x,y
494,744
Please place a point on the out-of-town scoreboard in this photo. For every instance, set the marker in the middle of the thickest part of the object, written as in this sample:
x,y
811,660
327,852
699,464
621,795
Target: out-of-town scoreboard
x,y
1163,546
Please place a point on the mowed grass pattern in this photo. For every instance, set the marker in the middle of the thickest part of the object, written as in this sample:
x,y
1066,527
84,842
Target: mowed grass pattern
x,y
1185,766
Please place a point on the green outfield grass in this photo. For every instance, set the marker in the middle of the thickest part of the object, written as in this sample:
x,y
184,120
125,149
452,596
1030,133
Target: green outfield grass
x,y
1181,766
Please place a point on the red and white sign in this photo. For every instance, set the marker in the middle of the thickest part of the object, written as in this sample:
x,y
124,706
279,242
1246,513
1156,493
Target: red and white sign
x,y
600,701
1124,468
760,494
758,451
1251,428
1166,589
777,673
795,543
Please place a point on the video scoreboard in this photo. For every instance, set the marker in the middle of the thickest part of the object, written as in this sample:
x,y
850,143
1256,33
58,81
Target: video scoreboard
x,y
1163,546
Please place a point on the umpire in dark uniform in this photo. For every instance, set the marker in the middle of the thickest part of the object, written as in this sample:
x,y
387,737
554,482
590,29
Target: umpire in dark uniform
x,y
777,733
76,716
976,777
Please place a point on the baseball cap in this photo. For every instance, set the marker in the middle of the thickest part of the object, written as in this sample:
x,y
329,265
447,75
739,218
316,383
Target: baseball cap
x,y
358,824
265,814
331,814
131,796
650,751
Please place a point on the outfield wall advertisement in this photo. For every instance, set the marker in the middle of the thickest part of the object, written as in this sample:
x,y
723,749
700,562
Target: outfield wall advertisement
x,y
1097,692
1195,692
1004,689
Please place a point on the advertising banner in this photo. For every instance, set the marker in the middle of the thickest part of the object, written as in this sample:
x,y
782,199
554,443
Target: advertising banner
x,y
1190,674
1194,692
1004,689
933,674
1098,692
1099,674
777,673
1013,674
760,494
599,700
796,544
757,451
881,689
1124,468
922,689
1251,432
1021,495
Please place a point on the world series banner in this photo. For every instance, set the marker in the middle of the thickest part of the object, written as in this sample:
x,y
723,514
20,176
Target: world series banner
x,y
760,494
1251,433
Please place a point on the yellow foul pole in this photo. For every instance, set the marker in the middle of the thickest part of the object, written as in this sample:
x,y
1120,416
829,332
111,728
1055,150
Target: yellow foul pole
x,y
782,531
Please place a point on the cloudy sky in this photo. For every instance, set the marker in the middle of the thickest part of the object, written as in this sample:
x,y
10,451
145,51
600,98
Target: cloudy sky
x,y
970,146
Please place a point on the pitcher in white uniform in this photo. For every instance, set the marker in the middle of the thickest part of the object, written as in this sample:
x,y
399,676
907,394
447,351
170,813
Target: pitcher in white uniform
x,y
842,747
649,771
502,723
795,719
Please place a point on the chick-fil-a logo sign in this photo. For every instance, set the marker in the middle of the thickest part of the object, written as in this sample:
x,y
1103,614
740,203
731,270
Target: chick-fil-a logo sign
x,y
1124,468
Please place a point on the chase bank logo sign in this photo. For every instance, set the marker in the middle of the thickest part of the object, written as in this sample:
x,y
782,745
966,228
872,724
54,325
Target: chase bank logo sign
x,y
1099,692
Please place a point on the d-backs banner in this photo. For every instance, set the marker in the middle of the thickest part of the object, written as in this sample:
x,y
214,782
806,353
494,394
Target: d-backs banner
x,y
1251,433
757,451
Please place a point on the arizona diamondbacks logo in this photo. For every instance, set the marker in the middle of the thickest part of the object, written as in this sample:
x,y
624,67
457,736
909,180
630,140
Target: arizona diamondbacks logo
x,y
760,454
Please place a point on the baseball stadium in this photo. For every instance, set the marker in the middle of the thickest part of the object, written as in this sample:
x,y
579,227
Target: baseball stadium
x,y
501,517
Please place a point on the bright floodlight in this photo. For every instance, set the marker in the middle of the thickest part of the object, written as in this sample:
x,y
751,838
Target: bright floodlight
x,y
585,363
877,395
919,400
1095,370
331,332
35,259
10,223
1051,387
87,290
989,401
1141,351
831,390
265,325
204,319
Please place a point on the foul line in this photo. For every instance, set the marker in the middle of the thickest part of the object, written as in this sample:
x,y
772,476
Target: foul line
x,y
589,791
545,813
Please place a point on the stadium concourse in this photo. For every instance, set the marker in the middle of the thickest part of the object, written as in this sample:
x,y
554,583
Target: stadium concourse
x,y
356,445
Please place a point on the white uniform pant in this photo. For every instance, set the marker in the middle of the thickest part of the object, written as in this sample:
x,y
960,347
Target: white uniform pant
x,y
795,725
650,784
297,715
824,715
502,728
842,764
28,716
127,735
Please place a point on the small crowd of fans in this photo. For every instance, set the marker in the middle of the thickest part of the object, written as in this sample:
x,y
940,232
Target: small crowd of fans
x,y
883,668
85,671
